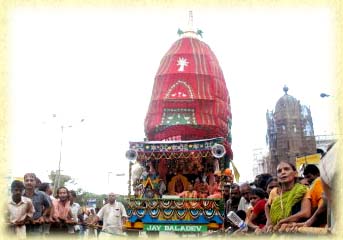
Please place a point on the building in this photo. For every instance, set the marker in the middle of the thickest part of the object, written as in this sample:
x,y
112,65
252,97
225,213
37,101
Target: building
x,y
260,161
290,131
323,142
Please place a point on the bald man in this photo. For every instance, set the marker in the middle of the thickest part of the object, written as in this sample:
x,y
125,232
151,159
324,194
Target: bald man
x,y
113,215
244,203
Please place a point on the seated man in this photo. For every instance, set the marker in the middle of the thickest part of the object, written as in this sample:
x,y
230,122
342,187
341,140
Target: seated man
x,y
203,189
216,193
190,193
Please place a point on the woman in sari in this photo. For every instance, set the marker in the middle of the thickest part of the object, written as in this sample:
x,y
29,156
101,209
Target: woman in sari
x,y
289,204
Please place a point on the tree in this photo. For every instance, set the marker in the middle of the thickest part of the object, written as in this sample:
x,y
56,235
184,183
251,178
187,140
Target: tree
x,y
53,176
83,196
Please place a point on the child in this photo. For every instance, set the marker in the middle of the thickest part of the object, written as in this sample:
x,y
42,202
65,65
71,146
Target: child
x,y
20,210
257,218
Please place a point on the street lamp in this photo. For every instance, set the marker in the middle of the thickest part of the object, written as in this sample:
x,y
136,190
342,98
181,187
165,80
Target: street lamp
x,y
108,177
116,175
56,186
323,95
59,162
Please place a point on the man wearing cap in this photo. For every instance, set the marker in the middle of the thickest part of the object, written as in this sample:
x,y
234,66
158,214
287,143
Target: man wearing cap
x,y
113,215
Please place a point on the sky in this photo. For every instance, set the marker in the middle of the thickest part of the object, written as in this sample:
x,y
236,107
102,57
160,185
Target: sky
x,y
99,64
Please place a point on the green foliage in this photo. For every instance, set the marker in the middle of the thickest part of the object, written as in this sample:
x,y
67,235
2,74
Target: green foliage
x,y
81,195
200,32
123,200
53,176
82,198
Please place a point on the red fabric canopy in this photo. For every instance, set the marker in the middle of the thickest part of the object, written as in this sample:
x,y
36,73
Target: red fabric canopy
x,y
189,99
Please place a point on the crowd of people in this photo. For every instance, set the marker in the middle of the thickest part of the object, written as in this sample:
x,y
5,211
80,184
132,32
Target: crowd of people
x,y
32,210
182,183
283,203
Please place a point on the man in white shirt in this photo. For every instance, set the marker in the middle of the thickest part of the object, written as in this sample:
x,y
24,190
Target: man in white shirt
x,y
75,211
244,203
113,215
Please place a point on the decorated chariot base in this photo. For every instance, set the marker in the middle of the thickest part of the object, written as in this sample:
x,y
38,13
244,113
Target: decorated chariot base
x,y
178,215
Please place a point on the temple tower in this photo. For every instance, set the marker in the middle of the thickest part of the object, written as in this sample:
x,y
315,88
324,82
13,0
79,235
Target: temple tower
x,y
290,131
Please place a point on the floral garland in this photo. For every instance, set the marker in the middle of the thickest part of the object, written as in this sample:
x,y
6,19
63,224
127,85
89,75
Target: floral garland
x,y
171,185
153,204
174,204
166,203
193,204
173,155
154,213
180,203
209,213
168,213
206,204
175,209
138,203
129,212
195,213
181,213
140,212
163,146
